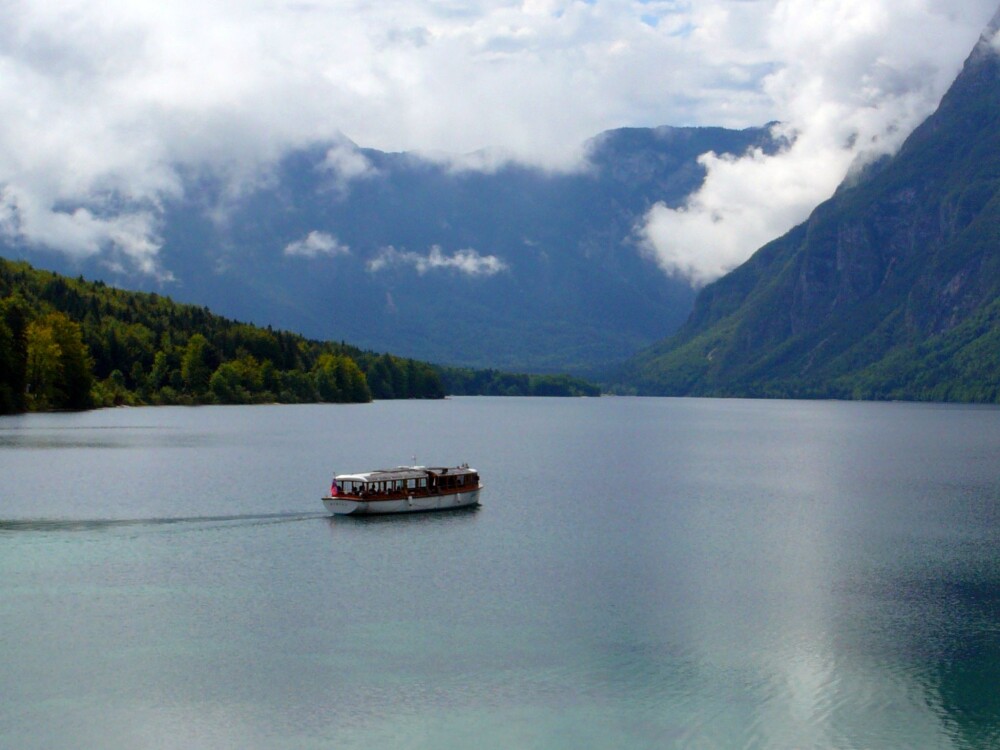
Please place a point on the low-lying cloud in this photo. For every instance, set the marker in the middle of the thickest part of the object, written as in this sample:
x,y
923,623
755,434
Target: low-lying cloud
x,y
104,105
858,77
126,240
345,162
992,33
467,261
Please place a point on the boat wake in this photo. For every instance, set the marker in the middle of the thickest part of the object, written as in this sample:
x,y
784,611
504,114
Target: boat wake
x,y
96,524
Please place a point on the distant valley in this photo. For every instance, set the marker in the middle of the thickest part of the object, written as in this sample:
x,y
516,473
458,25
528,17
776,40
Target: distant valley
x,y
512,268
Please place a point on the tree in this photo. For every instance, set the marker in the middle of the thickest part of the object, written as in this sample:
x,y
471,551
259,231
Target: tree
x,y
338,378
195,364
13,355
160,372
355,385
380,377
240,381
44,367
59,368
77,365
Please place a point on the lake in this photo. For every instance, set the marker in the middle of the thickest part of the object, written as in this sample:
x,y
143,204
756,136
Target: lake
x,y
642,573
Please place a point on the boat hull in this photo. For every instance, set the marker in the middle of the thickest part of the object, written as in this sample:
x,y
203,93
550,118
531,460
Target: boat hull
x,y
345,506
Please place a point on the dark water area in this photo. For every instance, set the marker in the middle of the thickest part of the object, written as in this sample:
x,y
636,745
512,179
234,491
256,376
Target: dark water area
x,y
642,573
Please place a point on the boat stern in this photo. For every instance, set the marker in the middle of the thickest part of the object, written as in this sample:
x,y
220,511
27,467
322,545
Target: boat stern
x,y
341,506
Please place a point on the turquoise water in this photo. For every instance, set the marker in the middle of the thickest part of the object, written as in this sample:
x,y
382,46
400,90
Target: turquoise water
x,y
643,573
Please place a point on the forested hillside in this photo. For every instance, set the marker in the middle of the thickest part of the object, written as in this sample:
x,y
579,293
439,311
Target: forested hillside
x,y
71,344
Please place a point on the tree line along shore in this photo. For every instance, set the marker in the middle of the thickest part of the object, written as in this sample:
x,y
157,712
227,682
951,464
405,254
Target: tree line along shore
x,y
67,343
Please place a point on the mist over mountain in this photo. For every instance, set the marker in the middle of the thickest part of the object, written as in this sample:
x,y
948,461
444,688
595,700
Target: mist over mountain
x,y
505,266
891,289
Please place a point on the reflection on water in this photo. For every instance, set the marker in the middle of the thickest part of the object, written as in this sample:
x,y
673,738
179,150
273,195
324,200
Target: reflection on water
x,y
97,524
128,438
642,573
445,516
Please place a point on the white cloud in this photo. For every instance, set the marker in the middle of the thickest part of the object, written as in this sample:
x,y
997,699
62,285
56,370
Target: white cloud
x,y
345,162
315,244
80,231
856,78
992,33
103,101
467,261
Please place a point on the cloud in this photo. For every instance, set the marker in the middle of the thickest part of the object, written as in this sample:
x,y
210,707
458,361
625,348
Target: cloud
x,y
105,103
345,162
857,77
467,261
315,244
992,33
129,236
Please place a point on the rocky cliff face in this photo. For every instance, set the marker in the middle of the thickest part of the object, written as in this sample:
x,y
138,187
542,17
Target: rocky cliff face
x,y
899,262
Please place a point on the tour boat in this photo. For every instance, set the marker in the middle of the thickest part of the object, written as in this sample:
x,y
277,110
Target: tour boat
x,y
405,489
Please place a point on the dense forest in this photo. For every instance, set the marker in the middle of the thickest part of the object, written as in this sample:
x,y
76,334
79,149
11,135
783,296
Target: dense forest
x,y
72,344
462,381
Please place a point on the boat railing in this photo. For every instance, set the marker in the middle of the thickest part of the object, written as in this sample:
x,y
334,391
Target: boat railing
x,y
407,492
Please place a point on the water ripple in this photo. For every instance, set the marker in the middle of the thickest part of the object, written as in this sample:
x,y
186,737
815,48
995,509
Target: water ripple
x,y
93,524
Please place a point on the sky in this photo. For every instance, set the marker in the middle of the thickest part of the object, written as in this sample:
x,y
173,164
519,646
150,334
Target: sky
x,y
104,104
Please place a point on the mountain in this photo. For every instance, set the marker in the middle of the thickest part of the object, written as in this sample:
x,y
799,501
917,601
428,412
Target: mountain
x,y
512,268
890,290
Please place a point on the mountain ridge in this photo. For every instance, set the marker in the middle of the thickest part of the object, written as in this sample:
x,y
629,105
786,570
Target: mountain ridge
x,y
533,270
894,269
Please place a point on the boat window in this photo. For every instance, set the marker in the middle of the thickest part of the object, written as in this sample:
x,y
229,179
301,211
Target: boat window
x,y
422,482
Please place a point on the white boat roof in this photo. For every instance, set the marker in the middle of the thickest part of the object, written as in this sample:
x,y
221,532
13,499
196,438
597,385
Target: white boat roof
x,y
404,472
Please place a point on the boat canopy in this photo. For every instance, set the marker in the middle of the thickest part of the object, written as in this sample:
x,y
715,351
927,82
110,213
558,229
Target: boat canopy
x,y
384,475
406,472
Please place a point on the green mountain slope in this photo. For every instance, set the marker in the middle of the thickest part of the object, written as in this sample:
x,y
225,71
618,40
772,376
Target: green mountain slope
x,y
891,289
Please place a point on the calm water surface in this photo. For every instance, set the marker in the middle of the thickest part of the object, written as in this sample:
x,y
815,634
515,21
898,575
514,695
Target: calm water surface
x,y
643,573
